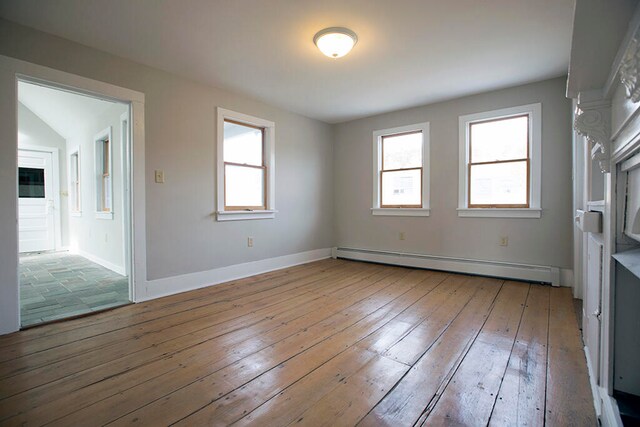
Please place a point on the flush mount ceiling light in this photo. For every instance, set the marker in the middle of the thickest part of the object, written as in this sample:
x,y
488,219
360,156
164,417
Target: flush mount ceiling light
x,y
335,42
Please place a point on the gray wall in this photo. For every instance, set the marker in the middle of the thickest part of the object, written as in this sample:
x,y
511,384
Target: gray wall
x,y
180,117
544,241
34,131
323,174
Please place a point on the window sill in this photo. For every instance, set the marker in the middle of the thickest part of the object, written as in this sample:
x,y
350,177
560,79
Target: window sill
x,y
400,211
500,212
76,214
104,215
245,215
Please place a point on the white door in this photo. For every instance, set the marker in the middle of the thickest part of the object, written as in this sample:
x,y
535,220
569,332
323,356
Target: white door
x,y
592,303
35,201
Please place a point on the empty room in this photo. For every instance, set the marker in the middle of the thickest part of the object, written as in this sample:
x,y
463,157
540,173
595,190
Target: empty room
x,y
339,213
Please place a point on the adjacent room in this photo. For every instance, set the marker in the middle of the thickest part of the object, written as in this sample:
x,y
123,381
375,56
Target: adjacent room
x,y
339,213
70,160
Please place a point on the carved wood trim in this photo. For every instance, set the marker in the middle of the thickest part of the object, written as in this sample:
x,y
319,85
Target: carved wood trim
x,y
630,68
593,121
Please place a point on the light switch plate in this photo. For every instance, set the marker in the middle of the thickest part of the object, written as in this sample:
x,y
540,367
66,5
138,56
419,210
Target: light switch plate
x,y
159,176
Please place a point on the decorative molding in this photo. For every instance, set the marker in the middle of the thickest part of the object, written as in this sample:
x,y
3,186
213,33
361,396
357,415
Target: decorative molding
x,y
630,68
593,121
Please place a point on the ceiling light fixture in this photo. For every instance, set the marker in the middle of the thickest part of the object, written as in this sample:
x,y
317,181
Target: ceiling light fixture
x,y
335,42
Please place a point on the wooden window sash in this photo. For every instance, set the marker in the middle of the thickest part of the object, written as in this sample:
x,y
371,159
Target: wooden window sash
x,y
106,151
105,187
499,205
526,159
75,182
382,205
77,196
413,132
383,170
263,167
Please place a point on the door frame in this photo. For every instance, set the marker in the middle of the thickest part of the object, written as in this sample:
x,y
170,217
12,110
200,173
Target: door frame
x,y
12,70
55,171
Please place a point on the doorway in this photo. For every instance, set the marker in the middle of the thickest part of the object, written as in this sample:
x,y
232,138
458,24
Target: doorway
x,y
36,190
74,208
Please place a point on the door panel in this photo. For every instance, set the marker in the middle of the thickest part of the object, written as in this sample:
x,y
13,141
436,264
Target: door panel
x,y
35,201
592,304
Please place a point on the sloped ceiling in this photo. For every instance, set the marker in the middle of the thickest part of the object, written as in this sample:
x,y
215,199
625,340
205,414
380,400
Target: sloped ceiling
x,y
64,112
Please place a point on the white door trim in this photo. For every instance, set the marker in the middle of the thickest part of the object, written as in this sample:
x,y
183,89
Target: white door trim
x,y
55,168
12,70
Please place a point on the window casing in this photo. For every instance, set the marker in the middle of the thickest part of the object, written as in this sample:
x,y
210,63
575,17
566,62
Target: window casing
x,y
104,172
401,171
245,159
75,198
500,163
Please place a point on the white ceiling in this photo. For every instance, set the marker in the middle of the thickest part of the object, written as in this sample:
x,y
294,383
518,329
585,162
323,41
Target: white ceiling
x,y
409,52
65,112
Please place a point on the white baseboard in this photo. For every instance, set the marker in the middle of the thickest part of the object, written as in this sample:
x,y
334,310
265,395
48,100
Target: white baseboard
x,y
595,390
536,273
173,285
610,413
566,277
106,264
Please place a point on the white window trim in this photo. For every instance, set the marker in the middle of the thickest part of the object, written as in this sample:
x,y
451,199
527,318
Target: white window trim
x,y
535,154
269,162
377,164
72,211
101,136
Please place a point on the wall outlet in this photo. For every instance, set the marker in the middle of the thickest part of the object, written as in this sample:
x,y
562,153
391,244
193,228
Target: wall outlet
x,y
504,241
159,176
402,235
250,242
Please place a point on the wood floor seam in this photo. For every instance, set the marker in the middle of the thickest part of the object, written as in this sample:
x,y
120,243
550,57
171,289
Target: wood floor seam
x,y
332,342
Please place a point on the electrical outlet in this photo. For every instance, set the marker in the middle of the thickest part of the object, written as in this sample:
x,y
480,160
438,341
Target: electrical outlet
x,y
402,235
504,241
159,176
250,242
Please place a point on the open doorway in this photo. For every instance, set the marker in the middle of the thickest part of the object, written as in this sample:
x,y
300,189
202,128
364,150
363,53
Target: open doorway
x,y
73,206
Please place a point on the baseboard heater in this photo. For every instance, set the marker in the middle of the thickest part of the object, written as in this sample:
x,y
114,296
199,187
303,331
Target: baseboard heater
x,y
532,273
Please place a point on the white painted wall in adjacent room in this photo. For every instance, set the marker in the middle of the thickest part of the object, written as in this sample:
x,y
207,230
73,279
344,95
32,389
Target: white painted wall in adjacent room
x,y
543,241
99,239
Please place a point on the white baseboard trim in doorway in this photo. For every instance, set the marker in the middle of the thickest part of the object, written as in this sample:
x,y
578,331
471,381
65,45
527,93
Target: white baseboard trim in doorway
x,y
610,413
106,264
535,273
187,282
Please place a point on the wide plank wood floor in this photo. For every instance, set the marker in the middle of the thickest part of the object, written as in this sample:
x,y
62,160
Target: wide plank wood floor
x,y
330,343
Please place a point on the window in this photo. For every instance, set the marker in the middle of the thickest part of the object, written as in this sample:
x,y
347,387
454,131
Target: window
x,y
400,171
245,167
31,183
74,183
500,163
104,183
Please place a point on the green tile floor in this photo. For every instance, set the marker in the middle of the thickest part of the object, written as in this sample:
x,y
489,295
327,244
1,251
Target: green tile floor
x,y
55,285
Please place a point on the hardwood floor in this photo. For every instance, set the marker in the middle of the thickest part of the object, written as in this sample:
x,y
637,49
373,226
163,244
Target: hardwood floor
x,y
329,343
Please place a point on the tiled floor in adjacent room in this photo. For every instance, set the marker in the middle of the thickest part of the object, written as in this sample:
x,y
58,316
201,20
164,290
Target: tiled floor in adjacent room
x,y
55,285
